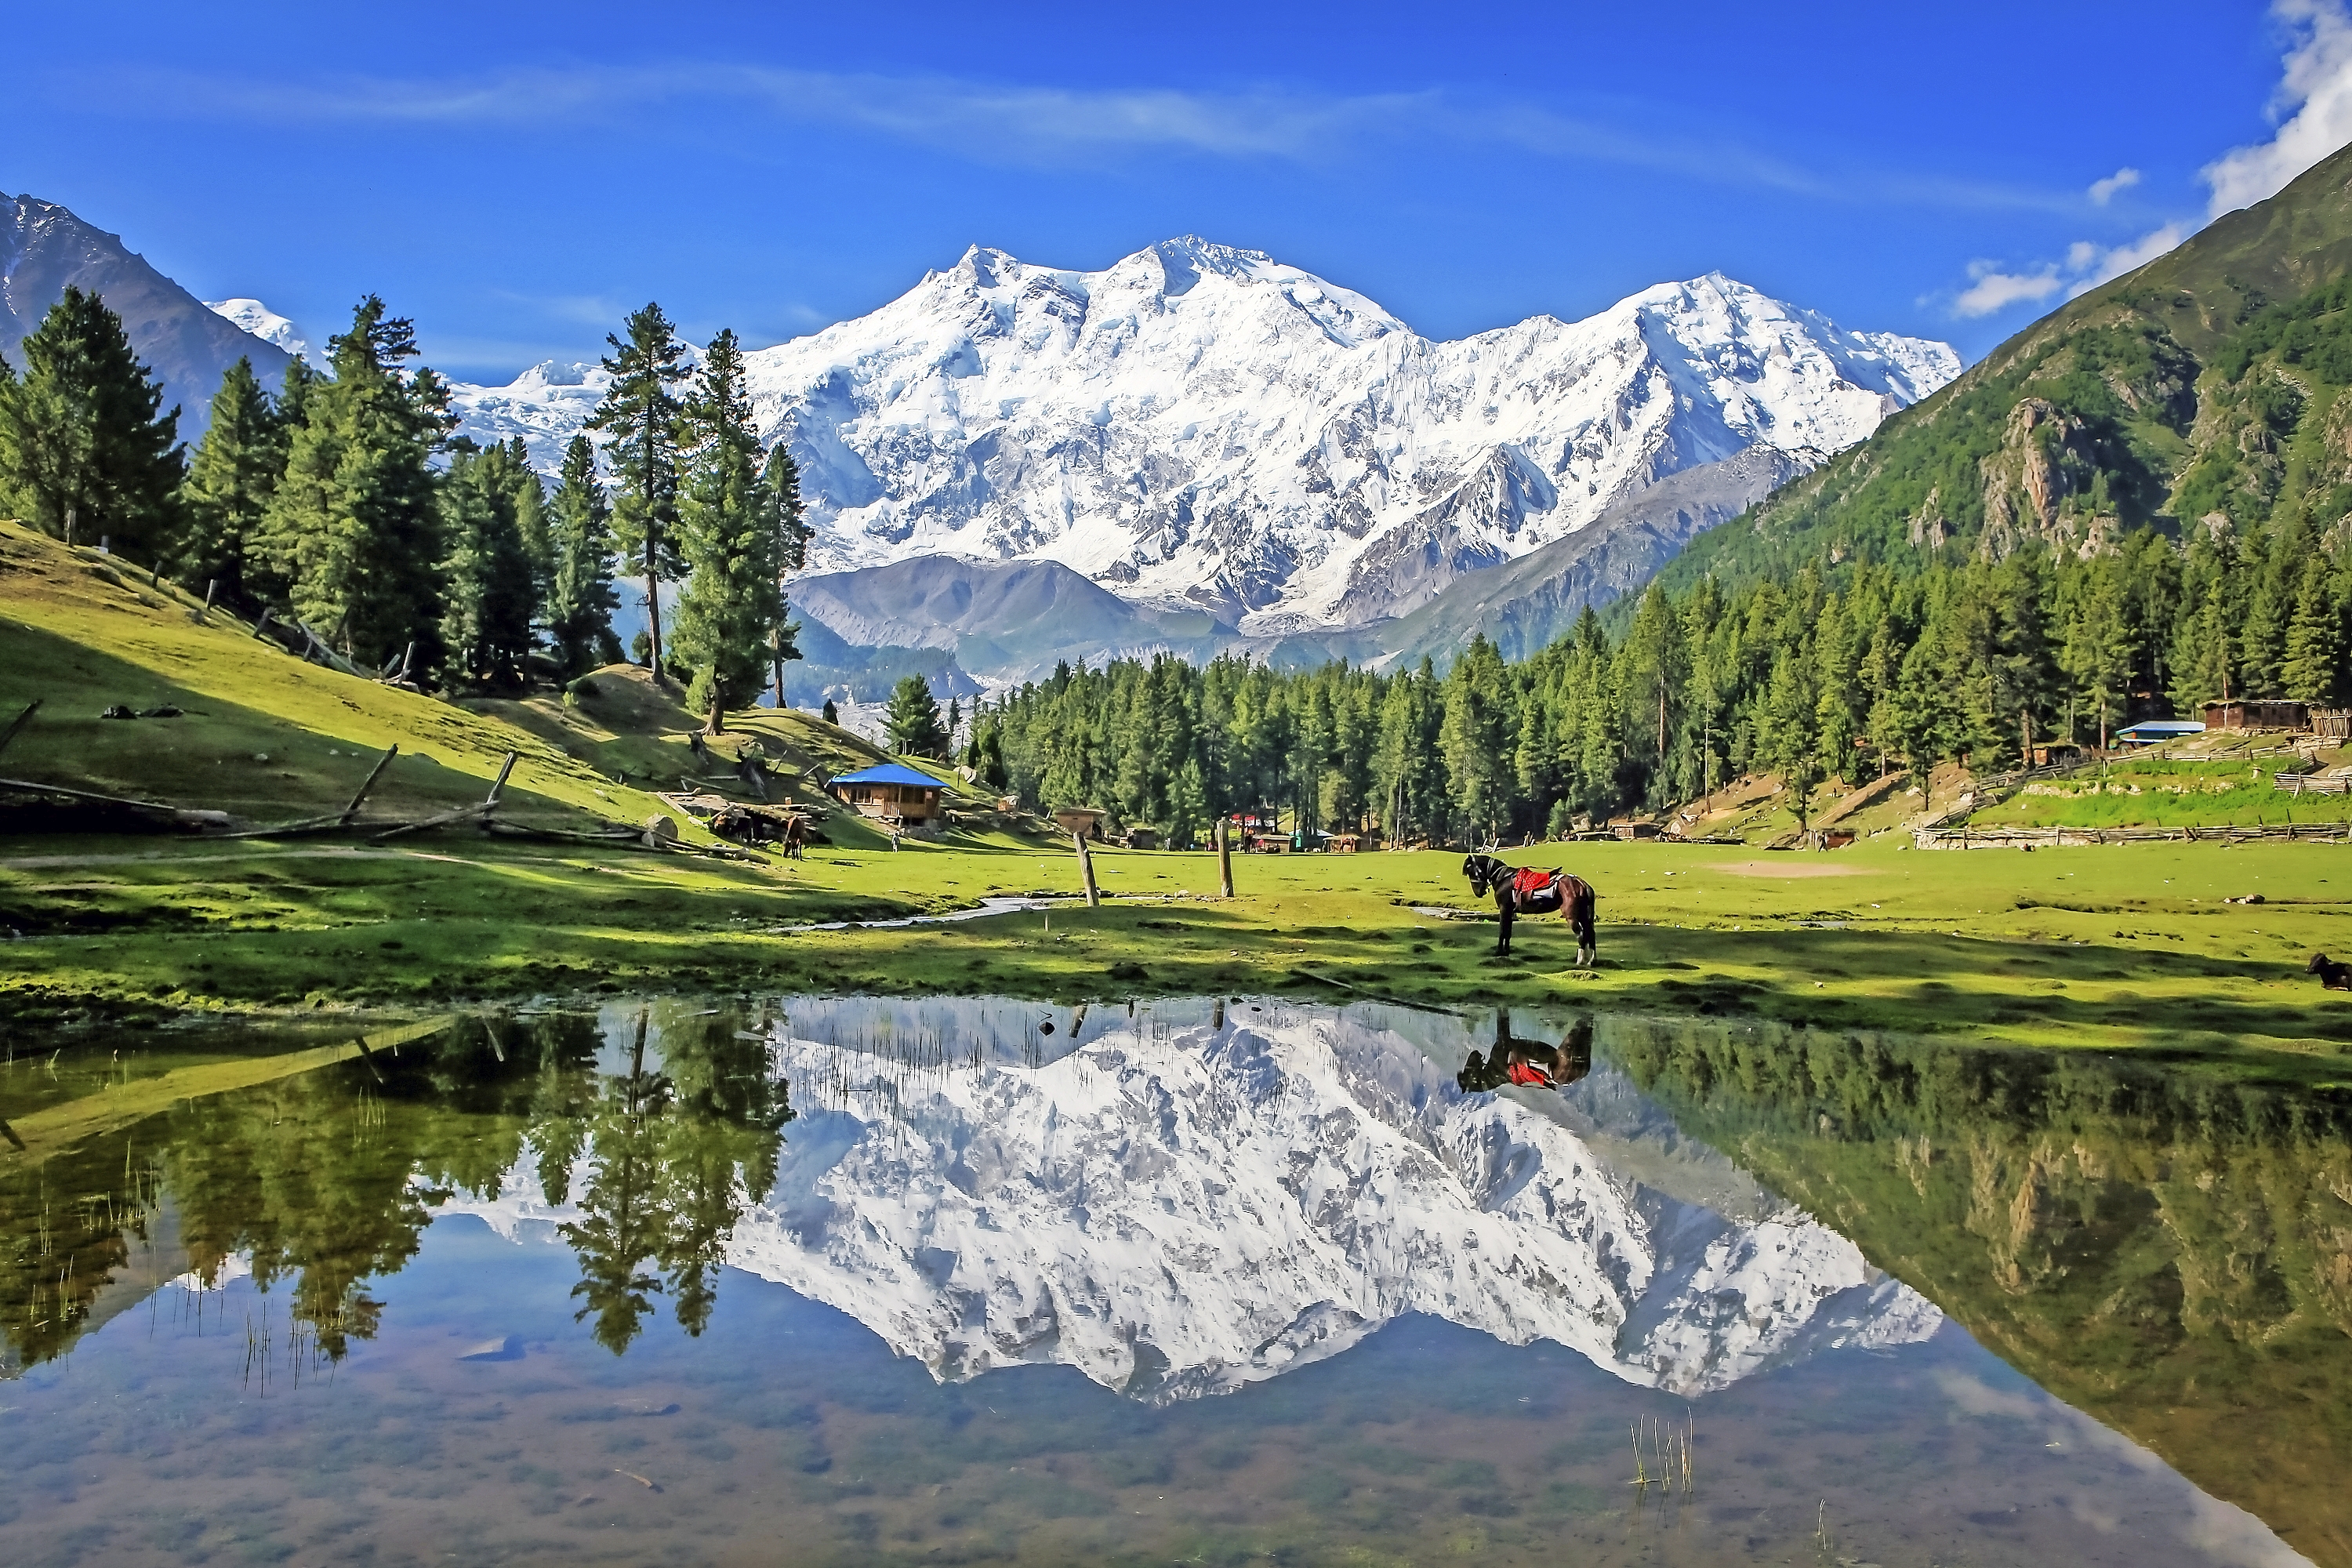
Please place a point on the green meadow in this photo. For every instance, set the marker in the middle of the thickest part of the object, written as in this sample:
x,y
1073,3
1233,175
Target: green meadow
x,y
2134,949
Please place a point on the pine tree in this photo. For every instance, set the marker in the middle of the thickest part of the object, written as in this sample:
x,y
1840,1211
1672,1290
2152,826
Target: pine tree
x,y
2313,668
234,473
912,720
489,598
85,453
780,484
1792,741
354,524
581,600
832,714
639,417
729,611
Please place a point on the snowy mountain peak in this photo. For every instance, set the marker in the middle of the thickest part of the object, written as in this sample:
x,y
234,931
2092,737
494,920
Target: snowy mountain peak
x,y
253,316
1201,426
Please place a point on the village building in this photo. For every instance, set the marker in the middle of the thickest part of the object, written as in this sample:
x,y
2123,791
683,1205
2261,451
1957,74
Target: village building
x,y
893,793
2240,713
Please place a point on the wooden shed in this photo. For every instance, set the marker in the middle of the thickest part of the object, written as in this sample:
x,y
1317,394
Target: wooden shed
x,y
2239,713
892,793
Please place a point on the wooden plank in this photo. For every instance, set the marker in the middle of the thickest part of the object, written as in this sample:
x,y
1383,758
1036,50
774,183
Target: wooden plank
x,y
382,763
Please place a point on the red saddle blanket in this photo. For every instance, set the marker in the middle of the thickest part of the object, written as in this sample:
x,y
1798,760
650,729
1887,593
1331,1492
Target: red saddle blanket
x,y
1526,882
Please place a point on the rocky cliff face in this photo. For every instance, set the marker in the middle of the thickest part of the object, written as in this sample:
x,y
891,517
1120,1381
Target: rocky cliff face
x,y
1193,1198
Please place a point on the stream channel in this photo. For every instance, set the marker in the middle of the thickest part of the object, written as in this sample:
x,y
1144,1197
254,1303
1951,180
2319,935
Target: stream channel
x,y
850,1280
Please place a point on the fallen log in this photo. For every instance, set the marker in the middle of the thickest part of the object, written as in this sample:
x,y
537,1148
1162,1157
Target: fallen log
x,y
328,822
178,817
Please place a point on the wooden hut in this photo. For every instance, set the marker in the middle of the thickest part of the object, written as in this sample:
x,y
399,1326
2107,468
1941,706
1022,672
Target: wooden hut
x,y
2240,713
893,793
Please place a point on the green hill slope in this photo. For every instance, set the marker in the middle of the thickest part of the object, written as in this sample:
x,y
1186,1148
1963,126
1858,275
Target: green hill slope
x,y
2204,384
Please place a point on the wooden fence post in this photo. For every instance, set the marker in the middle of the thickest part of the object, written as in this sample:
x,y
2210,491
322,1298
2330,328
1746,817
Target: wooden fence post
x,y
1087,870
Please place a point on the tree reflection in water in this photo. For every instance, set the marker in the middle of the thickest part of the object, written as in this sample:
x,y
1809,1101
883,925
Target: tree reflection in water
x,y
673,1155
328,1179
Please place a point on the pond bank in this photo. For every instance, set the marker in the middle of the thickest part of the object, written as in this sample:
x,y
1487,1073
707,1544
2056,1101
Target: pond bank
x,y
2140,949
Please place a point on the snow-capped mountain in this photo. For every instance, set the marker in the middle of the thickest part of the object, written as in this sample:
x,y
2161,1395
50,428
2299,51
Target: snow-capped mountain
x,y
253,316
1204,426
1189,1198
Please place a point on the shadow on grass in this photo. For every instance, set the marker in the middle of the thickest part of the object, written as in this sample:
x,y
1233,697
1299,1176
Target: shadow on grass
x,y
225,755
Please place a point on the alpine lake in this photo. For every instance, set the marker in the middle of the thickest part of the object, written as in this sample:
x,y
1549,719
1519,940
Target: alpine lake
x,y
818,1279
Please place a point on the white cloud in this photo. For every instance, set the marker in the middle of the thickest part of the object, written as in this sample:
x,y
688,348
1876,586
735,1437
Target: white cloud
x,y
2088,264
2315,99
1995,290
2093,266
2123,179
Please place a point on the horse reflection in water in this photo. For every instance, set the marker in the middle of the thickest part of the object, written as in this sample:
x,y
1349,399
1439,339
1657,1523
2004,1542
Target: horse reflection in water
x,y
1528,1062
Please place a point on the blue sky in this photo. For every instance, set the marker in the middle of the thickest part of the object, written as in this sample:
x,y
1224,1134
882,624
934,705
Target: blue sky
x,y
515,178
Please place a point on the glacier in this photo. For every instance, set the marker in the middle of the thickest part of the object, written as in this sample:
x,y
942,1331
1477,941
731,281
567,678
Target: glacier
x,y
1186,1197
1200,426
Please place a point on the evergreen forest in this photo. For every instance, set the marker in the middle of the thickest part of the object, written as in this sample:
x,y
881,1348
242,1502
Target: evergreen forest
x,y
341,506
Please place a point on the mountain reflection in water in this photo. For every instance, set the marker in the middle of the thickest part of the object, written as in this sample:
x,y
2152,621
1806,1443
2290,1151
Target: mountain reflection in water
x,y
1194,1198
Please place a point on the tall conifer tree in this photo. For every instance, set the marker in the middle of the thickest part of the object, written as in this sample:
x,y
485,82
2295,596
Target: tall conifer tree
x,y
490,591
639,417
86,453
727,532
581,600
234,473
354,525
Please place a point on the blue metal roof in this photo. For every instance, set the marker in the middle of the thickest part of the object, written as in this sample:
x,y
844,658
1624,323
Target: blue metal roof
x,y
892,773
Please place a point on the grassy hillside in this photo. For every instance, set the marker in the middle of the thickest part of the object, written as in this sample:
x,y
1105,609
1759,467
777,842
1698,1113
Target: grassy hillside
x,y
270,738
2095,418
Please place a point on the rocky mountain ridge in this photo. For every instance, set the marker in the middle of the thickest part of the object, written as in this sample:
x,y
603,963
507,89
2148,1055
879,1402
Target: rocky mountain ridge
x,y
189,347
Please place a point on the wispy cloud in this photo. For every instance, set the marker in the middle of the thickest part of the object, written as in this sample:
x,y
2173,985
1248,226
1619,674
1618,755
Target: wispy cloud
x,y
1022,124
2086,266
2314,105
2103,191
1990,290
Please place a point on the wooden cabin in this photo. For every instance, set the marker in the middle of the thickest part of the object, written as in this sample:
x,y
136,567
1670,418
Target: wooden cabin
x,y
2239,713
893,793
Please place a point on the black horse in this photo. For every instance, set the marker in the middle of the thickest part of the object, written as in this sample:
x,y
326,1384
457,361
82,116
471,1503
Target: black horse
x,y
1518,893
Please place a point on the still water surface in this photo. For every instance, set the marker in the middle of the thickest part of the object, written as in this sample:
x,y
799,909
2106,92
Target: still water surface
x,y
851,1279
